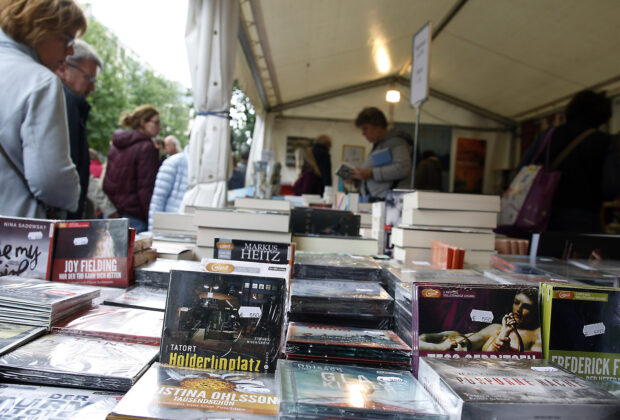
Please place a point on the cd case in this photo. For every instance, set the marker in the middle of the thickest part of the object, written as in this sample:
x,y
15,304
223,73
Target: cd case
x,y
336,266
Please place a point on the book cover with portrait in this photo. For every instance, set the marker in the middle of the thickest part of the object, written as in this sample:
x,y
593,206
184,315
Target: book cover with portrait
x,y
94,252
26,247
475,322
218,320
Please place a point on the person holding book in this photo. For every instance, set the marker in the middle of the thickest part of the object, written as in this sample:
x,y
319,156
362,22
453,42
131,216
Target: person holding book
x,y
309,180
388,166
36,169
132,167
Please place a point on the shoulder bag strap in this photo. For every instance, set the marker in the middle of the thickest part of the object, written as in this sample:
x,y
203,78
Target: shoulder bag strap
x,y
543,146
558,160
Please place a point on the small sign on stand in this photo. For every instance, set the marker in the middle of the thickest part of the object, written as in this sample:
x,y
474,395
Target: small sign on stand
x,y
420,71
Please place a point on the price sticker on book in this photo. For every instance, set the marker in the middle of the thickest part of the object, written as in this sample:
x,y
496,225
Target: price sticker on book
x,y
34,236
478,315
544,368
594,329
250,312
80,241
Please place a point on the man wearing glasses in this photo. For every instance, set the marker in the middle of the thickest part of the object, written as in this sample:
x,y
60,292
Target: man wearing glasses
x,y
78,74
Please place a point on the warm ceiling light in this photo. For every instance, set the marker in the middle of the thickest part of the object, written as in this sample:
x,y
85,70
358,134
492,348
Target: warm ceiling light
x,y
392,96
382,60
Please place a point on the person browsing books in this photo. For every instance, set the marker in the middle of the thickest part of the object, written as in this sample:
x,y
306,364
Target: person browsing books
x,y
309,180
388,166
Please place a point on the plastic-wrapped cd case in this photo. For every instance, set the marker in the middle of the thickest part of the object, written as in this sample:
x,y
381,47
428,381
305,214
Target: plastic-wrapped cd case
x,y
84,362
316,390
15,335
157,273
346,345
141,297
116,323
507,389
166,392
35,402
336,266
344,298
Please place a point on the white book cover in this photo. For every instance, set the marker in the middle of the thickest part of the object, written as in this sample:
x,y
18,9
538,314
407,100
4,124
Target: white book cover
x,y
331,244
455,218
262,204
405,237
413,255
174,222
242,219
451,201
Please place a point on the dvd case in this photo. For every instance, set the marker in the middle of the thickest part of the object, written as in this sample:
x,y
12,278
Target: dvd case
x,y
83,362
26,247
34,402
253,251
167,392
157,274
316,390
223,321
115,323
94,252
475,322
140,297
15,335
511,389
582,329
336,266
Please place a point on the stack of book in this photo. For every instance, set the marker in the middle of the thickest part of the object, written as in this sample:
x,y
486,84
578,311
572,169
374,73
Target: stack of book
x,y
336,266
253,225
463,220
167,392
174,226
174,250
315,390
41,303
365,214
143,251
262,204
447,256
75,361
114,323
346,345
498,389
15,335
361,304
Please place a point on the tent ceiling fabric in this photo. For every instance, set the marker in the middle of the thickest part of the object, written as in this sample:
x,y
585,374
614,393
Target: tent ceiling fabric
x,y
504,56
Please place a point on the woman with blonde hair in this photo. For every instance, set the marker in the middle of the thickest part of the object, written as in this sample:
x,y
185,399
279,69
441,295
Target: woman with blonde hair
x,y
133,162
35,38
309,177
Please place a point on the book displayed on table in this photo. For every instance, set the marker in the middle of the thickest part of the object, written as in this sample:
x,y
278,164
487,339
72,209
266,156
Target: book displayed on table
x,y
36,402
582,329
451,201
336,266
329,391
94,252
15,335
262,204
336,244
157,274
241,219
404,237
114,323
253,251
505,389
141,297
88,362
168,392
223,321
26,247
454,218
40,302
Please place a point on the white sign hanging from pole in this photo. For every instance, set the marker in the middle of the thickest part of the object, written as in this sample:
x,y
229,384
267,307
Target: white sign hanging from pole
x,y
420,62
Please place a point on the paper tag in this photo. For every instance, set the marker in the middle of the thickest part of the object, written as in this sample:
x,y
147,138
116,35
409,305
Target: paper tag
x,y
363,290
250,312
594,329
33,236
389,379
544,368
478,315
80,241
209,295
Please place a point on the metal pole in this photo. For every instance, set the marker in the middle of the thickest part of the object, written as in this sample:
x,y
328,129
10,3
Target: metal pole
x,y
415,143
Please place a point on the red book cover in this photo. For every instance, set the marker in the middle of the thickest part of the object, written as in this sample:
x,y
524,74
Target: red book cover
x,y
93,252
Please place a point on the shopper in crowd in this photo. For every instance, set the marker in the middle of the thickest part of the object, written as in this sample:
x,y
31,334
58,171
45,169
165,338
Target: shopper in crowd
x,y
170,185
590,172
97,204
172,145
428,172
78,75
161,149
309,179
320,151
133,162
237,180
388,164
36,169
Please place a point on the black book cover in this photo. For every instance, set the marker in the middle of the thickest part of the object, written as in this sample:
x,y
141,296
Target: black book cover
x,y
253,251
26,247
324,222
223,321
92,252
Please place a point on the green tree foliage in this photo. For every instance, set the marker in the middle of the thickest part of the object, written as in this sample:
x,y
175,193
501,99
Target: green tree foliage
x,y
126,83
242,122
